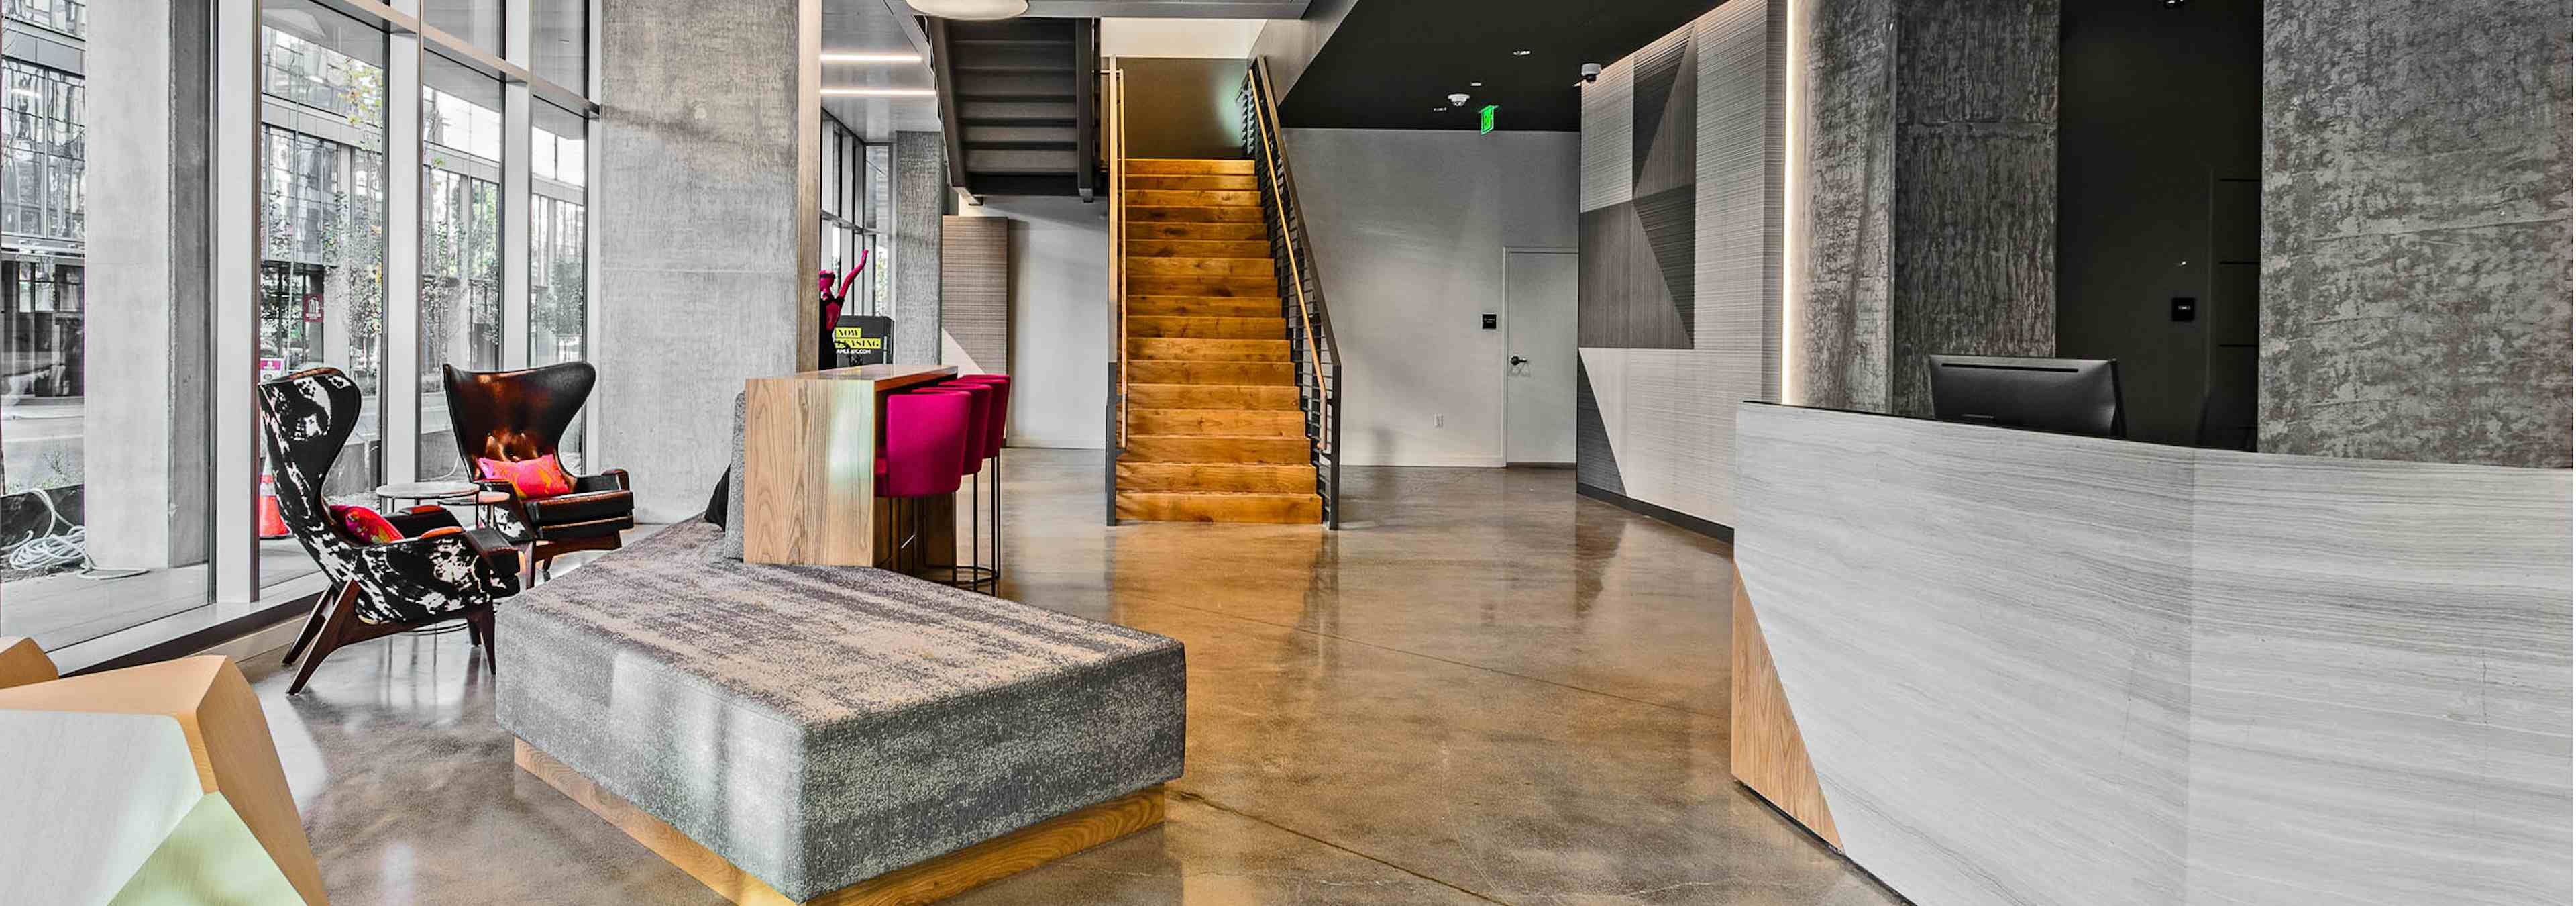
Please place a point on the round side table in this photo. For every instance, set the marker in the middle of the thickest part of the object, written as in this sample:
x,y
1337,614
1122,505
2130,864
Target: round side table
x,y
424,491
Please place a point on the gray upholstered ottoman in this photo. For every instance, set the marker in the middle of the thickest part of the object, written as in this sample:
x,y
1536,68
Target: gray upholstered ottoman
x,y
817,727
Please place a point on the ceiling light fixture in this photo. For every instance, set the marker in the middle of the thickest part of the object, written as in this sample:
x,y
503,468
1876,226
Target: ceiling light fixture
x,y
1439,109
871,58
1523,53
1475,84
880,92
971,10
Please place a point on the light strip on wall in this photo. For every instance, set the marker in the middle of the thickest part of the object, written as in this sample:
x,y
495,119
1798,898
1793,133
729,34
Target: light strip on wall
x,y
1792,248
871,58
880,92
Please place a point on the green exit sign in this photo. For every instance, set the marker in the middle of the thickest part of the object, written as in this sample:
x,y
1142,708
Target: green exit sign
x,y
1485,119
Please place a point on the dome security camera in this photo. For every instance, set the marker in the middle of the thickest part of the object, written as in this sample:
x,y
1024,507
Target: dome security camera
x,y
1458,100
1591,72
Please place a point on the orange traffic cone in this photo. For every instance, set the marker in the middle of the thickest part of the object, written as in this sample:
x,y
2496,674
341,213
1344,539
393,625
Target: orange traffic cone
x,y
272,524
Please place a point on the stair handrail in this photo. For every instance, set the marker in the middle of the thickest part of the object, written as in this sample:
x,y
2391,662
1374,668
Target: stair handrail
x,y
1315,316
1116,79
1267,111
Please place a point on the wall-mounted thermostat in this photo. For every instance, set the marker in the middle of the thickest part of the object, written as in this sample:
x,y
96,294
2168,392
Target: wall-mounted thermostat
x,y
1489,320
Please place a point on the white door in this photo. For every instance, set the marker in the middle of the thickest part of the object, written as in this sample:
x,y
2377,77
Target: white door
x,y
1538,357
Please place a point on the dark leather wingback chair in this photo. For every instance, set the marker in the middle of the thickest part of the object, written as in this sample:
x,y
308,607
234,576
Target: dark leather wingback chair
x,y
522,415
437,572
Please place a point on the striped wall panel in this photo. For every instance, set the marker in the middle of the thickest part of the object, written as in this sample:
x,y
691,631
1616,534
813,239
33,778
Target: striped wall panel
x,y
1606,118
975,294
1679,307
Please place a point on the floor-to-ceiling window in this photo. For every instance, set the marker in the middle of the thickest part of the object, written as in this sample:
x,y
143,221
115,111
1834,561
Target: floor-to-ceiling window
x,y
322,221
136,312
460,245
558,252
45,421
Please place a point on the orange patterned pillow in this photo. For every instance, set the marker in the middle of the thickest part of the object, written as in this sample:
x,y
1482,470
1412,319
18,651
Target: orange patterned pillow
x,y
535,479
365,525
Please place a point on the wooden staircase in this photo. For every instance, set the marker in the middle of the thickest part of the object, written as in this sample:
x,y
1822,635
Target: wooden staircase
x,y
1214,431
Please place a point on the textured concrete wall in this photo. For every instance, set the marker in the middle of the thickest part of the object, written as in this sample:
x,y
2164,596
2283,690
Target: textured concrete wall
x,y
920,196
1930,194
1840,333
2415,230
704,229
1975,219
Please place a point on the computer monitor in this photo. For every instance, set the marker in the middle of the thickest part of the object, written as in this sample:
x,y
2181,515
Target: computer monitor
x,y
2076,396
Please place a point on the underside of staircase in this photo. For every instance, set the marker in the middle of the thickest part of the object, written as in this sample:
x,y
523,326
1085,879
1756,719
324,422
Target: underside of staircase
x,y
1214,431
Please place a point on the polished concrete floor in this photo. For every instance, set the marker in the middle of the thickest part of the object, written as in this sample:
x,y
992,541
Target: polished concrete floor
x,y
1484,689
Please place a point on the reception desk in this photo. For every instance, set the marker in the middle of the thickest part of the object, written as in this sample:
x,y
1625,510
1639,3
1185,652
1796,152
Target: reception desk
x,y
1999,666
809,469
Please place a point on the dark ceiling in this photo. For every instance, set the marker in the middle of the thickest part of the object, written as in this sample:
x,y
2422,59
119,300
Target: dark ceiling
x,y
1393,61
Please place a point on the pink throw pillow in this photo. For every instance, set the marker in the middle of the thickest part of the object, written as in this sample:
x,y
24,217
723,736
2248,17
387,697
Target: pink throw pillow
x,y
365,525
535,479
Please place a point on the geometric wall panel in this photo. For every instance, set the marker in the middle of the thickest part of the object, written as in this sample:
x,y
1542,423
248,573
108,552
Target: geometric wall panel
x,y
1678,306
1596,463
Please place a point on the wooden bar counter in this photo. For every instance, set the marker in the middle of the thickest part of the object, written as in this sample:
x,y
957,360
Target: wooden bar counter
x,y
809,470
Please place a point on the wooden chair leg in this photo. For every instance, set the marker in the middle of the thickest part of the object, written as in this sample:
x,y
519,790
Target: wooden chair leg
x,y
344,613
313,624
481,621
473,632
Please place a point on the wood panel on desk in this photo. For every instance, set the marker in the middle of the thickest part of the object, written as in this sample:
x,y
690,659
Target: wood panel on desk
x,y
809,464
931,881
1765,750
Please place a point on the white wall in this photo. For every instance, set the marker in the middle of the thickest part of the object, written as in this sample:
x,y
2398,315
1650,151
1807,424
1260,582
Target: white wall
x,y
1229,39
1409,227
1059,318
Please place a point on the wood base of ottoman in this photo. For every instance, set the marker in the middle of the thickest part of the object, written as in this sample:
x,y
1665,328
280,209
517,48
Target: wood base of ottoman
x,y
937,879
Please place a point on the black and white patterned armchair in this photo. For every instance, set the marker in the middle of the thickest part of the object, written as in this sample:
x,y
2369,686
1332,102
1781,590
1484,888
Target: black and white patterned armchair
x,y
437,572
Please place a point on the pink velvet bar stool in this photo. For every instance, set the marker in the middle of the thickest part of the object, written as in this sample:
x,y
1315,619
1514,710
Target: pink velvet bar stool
x,y
1001,420
983,435
924,440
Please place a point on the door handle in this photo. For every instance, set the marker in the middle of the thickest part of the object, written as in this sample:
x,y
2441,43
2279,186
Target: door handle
x,y
1517,361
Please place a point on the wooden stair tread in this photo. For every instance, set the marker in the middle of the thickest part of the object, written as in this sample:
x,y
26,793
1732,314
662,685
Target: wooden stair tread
x,y
1215,429
1221,506
1187,166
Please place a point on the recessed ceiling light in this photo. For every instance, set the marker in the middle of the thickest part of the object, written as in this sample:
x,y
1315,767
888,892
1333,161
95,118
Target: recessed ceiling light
x,y
871,58
881,92
1439,109
1475,84
971,10
1522,53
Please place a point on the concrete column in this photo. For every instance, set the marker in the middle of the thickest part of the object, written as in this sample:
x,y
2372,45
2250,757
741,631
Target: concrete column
x,y
232,346
2414,283
920,199
1929,179
143,427
707,205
